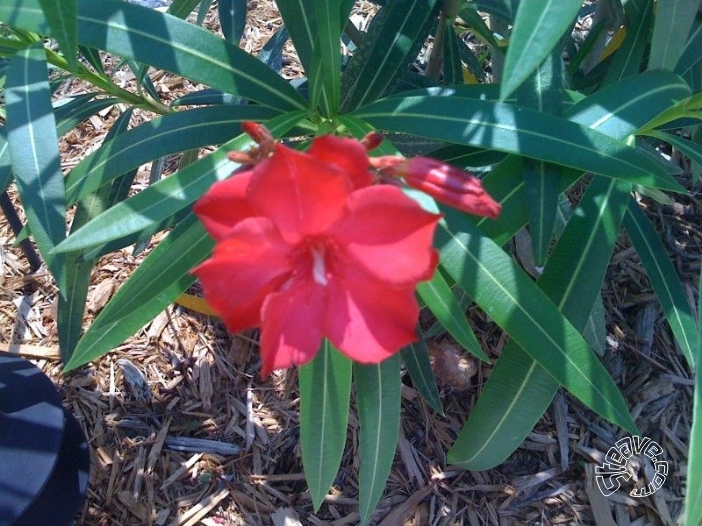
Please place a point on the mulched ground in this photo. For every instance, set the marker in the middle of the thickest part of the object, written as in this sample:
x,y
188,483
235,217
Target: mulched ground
x,y
202,383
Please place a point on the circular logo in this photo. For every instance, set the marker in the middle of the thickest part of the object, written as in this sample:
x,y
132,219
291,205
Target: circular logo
x,y
610,474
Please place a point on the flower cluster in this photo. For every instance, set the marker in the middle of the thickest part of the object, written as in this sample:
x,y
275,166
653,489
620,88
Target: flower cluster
x,y
309,247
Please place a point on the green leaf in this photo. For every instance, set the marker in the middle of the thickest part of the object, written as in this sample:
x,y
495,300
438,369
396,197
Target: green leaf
x,y
72,298
543,91
182,8
232,18
62,18
437,295
693,498
416,359
626,106
166,42
627,59
674,19
327,57
519,390
156,283
300,22
33,146
538,27
690,55
453,66
81,108
394,38
514,129
163,199
665,281
542,188
526,313
325,390
378,401
157,138
689,148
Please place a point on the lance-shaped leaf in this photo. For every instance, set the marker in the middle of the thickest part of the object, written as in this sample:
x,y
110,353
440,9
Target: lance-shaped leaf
x,y
165,198
627,59
157,138
33,147
438,297
61,17
519,389
394,38
72,298
232,18
155,284
674,19
543,91
525,312
325,391
378,399
538,27
665,281
693,498
416,359
166,42
513,129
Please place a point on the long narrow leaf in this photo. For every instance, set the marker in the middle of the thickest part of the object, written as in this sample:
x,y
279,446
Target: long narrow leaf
x,y
627,60
416,359
674,19
163,199
232,18
378,399
526,313
693,498
325,391
157,138
156,283
72,298
437,295
33,146
513,129
166,42
519,390
665,281
394,38
64,26
538,27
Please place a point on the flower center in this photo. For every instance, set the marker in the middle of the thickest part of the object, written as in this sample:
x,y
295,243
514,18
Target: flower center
x,y
319,270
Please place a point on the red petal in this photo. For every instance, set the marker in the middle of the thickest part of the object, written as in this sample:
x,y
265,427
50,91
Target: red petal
x,y
291,328
225,204
302,195
250,264
389,235
347,154
368,321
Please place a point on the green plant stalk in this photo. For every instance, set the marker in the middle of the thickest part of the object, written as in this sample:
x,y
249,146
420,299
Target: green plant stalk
x,y
58,60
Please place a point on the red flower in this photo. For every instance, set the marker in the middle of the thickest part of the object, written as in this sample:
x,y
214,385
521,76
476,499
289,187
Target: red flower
x,y
308,249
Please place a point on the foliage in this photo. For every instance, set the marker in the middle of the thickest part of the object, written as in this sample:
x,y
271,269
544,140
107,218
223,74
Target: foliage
x,y
594,120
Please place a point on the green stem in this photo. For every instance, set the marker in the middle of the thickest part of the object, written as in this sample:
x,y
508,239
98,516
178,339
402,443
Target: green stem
x,y
87,75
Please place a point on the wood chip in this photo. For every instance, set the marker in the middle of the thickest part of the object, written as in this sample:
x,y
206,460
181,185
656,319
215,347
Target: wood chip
x,y
201,445
197,512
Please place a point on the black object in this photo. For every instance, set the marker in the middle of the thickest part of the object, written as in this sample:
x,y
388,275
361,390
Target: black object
x,y
44,461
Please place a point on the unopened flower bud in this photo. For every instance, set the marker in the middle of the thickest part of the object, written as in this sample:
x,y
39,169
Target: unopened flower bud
x,y
446,183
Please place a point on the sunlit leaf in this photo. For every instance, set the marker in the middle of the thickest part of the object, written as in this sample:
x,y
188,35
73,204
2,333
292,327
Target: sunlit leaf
x,y
325,390
378,400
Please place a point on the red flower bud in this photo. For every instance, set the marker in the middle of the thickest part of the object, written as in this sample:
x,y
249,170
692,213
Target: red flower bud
x,y
446,183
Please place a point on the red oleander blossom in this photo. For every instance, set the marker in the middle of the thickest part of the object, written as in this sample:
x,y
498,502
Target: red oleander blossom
x,y
308,248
